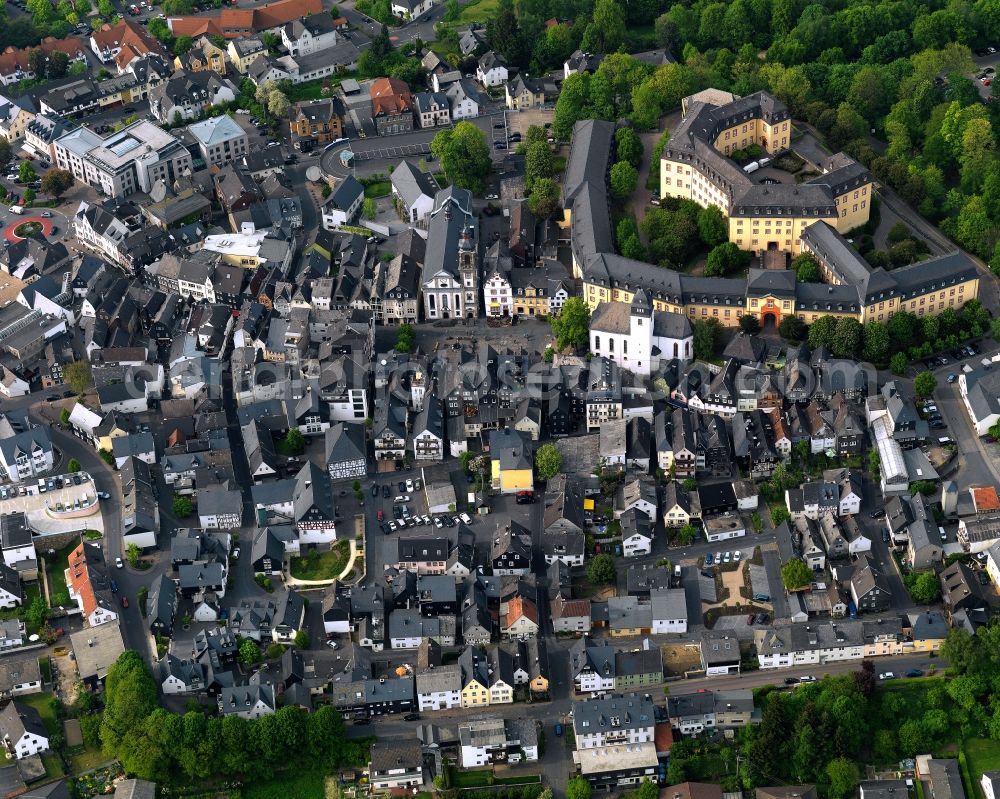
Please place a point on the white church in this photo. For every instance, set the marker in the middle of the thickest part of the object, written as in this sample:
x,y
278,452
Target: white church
x,y
636,337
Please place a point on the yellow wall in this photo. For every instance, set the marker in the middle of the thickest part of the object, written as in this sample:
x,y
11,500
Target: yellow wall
x,y
475,695
755,233
754,131
629,632
729,315
853,208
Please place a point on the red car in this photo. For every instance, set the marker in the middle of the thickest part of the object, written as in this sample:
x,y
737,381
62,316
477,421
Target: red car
x,y
124,601
380,515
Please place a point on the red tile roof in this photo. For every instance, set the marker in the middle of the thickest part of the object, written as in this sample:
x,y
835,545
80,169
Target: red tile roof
x,y
232,23
985,498
390,96
11,58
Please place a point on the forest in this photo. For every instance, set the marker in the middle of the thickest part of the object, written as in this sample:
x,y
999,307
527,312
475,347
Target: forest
x,y
156,744
900,68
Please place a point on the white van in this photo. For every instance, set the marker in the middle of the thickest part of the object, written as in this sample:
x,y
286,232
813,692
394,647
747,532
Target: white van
x,y
944,535
751,167
763,162
945,441
17,209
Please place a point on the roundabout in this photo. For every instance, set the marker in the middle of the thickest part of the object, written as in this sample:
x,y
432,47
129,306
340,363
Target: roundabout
x,y
23,228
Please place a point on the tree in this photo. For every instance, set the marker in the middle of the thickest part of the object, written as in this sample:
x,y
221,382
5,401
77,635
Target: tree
x,y
899,363
606,33
648,790
924,384
822,332
725,259
4,150
538,163
548,461
405,338
26,172
806,268
106,456
876,342
78,376
707,337
844,776
132,555
572,326
686,534
302,639
29,197
64,415
712,227
847,337
601,571
369,208
792,328
249,652
182,45
181,506
796,574
464,156
129,699
749,324
924,587
294,442
277,104
628,146
622,179
57,182
36,612
544,198
73,466
36,60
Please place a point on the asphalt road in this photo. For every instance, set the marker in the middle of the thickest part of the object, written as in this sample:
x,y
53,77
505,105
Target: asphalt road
x,y
558,709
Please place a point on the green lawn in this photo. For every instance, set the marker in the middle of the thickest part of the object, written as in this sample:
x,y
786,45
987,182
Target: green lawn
x,y
44,704
83,759
322,565
55,570
378,188
313,90
53,765
287,785
983,755
31,591
477,11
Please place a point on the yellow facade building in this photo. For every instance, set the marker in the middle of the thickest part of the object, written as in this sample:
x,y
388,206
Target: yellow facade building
x,y
761,218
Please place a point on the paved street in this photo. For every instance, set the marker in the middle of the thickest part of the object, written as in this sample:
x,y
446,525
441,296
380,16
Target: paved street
x,y
548,713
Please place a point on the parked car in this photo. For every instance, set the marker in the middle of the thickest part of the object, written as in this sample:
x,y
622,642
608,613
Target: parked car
x,y
791,680
915,673
114,586
709,560
125,602
887,675
385,492
402,498
374,489
807,678
750,619
559,728
411,717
